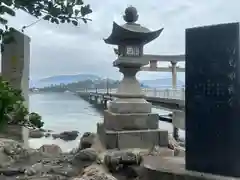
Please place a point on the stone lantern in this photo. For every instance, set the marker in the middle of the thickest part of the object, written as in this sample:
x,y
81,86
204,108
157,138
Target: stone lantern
x,y
129,122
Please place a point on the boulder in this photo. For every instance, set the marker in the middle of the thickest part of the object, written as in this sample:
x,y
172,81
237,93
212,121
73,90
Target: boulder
x,y
117,160
69,135
11,171
45,130
172,143
176,147
66,135
5,160
88,154
12,151
87,140
42,177
36,133
179,151
67,171
34,169
160,151
56,136
16,151
95,172
50,149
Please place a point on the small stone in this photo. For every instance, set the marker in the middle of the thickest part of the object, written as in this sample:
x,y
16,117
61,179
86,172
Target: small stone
x,y
68,171
34,169
47,135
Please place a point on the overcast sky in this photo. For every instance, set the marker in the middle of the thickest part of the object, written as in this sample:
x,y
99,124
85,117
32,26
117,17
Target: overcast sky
x,y
65,49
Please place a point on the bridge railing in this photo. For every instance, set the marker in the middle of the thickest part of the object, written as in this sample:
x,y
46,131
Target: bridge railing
x,y
149,92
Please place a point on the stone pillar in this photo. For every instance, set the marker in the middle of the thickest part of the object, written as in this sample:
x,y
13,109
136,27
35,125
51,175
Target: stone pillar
x,y
174,86
174,74
15,68
212,109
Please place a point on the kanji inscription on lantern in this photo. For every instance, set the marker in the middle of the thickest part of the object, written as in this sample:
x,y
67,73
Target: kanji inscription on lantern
x,y
132,51
212,93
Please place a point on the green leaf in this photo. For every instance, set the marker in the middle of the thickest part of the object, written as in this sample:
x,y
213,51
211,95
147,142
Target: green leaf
x,y
5,9
7,2
47,17
56,21
85,10
62,20
75,23
70,10
76,12
52,20
3,21
79,2
84,20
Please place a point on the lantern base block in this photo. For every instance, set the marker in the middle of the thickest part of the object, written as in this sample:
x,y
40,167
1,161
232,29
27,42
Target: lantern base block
x,y
144,139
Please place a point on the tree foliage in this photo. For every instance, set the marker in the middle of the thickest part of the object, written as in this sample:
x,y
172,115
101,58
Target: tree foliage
x,y
82,85
13,110
55,11
36,119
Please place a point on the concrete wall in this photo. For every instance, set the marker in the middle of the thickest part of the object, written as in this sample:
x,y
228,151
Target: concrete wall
x,y
15,67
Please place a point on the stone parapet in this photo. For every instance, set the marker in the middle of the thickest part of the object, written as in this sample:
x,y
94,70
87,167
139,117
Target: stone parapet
x,y
173,168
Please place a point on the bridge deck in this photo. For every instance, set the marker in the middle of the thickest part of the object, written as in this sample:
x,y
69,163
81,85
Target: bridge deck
x,y
177,104
169,98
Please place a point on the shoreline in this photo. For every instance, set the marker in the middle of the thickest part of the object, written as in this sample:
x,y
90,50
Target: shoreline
x,y
49,161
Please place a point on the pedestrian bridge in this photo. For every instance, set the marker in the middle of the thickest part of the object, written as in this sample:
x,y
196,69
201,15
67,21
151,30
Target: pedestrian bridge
x,y
169,98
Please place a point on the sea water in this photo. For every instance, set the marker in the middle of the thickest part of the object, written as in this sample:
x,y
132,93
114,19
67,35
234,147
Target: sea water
x,y
67,112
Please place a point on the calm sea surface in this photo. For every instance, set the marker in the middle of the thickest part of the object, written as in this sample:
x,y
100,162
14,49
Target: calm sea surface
x,y
67,112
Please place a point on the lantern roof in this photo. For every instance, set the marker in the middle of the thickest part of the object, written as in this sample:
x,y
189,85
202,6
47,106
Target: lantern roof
x,y
131,32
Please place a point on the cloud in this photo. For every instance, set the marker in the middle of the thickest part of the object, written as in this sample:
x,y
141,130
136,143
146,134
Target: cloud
x,y
65,49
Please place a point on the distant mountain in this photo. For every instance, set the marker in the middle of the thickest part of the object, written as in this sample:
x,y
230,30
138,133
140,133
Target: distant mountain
x,y
66,79
161,83
62,79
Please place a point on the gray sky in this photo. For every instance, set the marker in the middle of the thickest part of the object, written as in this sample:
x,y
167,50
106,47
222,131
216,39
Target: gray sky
x,y
65,49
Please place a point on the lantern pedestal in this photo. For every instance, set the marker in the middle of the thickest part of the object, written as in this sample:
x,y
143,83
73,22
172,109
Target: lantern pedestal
x,y
129,122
